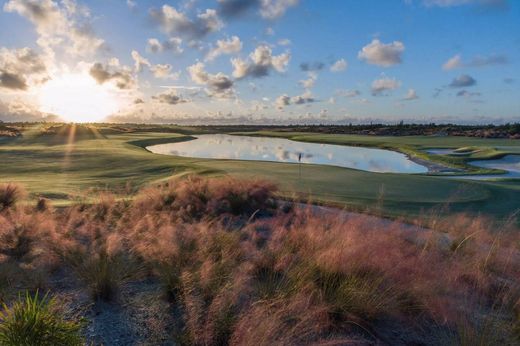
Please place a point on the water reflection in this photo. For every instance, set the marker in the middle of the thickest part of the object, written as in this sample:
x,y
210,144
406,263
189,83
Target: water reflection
x,y
282,150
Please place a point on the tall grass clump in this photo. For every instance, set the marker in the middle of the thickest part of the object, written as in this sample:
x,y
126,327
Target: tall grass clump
x,y
96,252
36,320
10,195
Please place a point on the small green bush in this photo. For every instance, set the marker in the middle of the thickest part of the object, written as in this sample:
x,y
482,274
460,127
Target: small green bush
x,y
34,320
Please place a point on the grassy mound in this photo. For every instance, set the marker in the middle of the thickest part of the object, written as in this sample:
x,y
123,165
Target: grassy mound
x,y
236,266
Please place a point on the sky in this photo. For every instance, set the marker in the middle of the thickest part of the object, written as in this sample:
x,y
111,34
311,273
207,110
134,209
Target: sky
x,y
260,61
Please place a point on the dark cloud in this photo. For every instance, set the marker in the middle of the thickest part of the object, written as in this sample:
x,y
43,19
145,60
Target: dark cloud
x,y
12,81
268,9
122,79
465,93
312,66
237,8
302,99
480,61
170,97
463,81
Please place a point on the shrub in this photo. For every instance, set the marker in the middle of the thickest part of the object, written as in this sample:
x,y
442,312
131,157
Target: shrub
x,y
35,320
10,194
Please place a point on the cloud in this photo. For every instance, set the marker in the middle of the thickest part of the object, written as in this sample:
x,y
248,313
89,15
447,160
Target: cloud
x,y
139,61
381,54
174,22
164,71
217,85
284,42
463,81
21,68
260,63
170,97
411,95
350,93
172,44
16,111
452,63
485,4
12,81
229,46
303,98
309,82
312,66
283,100
237,8
63,24
384,84
339,66
477,61
273,9
131,4
268,9
465,93
122,79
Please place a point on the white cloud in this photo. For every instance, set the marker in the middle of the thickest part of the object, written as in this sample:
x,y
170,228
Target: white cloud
x,y
452,63
273,9
173,44
339,66
477,61
139,61
172,22
309,82
229,46
411,95
381,54
381,86
261,61
59,24
217,85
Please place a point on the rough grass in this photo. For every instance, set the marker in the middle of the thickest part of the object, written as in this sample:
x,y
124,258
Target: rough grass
x,y
238,268
35,320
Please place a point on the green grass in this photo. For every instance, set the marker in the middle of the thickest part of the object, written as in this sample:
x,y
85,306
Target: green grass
x,y
111,160
34,320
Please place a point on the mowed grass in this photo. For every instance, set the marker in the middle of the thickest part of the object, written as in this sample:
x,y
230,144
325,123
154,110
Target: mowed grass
x,y
64,171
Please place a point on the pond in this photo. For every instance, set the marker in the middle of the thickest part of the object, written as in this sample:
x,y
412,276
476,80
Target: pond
x,y
508,163
220,146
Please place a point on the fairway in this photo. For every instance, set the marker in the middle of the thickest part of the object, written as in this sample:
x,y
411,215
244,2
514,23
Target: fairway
x,y
65,170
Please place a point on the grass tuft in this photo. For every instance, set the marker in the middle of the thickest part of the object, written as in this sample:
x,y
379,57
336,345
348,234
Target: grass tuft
x,y
35,320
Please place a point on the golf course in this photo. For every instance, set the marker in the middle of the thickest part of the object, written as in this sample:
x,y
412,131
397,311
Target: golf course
x,y
64,163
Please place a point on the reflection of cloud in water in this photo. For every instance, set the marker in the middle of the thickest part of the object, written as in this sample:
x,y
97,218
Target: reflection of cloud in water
x,y
282,155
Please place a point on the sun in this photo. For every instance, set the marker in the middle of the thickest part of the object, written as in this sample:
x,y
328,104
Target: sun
x,y
77,98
